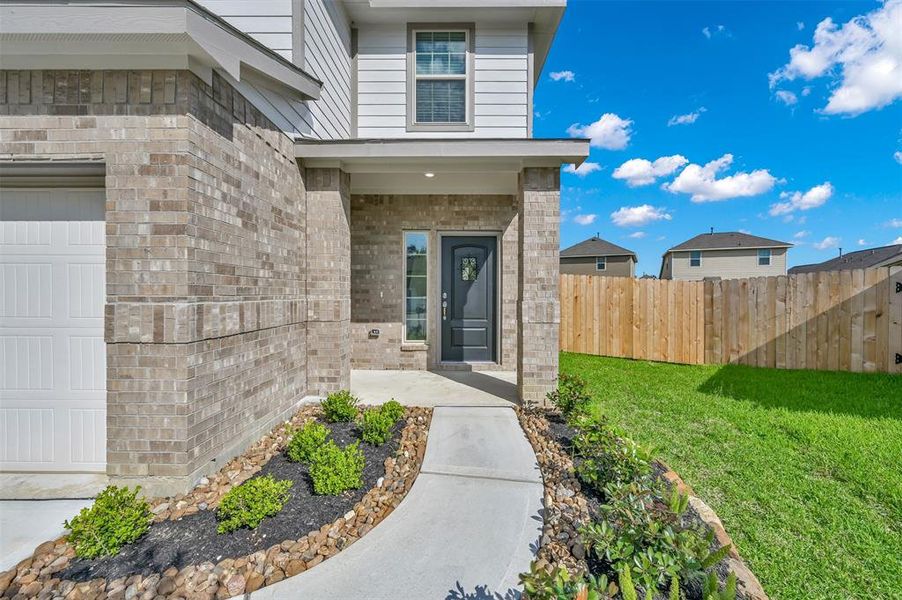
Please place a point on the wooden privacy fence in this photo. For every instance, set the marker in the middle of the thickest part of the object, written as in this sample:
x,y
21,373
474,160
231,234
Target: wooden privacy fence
x,y
835,320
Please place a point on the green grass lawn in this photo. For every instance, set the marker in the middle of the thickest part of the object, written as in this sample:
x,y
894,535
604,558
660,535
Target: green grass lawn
x,y
804,468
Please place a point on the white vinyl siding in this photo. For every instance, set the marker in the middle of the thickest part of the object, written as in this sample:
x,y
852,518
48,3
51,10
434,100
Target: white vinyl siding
x,y
727,264
267,21
500,80
327,56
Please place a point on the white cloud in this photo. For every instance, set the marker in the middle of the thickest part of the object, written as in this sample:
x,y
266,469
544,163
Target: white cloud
x,y
786,97
638,171
703,184
637,235
861,242
806,91
897,156
800,25
637,216
793,201
562,75
745,231
719,30
827,243
609,132
583,170
898,240
687,119
863,57
893,223
801,234
584,219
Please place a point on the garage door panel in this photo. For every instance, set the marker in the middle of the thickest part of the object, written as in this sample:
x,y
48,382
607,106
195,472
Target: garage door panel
x,y
53,373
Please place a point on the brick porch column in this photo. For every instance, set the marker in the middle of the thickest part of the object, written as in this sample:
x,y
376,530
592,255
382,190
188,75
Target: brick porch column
x,y
538,306
328,280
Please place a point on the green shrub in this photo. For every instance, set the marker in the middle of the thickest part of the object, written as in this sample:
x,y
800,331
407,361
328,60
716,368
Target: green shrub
x,y
375,426
559,584
571,396
251,502
604,457
306,441
116,518
712,590
340,407
335,470
394,409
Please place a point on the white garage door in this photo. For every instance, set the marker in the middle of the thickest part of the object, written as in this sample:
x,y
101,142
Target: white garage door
x,y
52,353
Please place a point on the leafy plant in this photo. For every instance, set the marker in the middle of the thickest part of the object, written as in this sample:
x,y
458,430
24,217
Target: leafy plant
x,y
675,593
335,470
375,426
605,458
394,409
306,441
626,585
559,584
117,517
571,395
251,502
340,407
712,589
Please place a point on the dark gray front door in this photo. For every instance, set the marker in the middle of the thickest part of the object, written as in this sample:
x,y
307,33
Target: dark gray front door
x,y
468,298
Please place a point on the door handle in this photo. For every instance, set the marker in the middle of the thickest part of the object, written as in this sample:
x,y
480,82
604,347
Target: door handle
x,y
444,310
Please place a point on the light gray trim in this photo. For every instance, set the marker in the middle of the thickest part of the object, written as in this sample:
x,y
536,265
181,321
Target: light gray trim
x,y
354,88
470,125
165,34
87,174
562,151
530,76
297,32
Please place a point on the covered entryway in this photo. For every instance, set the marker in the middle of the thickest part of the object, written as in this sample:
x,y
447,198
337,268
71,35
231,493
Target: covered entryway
x,y
52,351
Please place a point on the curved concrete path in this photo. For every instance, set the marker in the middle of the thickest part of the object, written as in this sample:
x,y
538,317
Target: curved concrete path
x,y
469,525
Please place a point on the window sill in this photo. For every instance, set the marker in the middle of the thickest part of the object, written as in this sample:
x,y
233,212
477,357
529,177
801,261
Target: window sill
x,y
414,347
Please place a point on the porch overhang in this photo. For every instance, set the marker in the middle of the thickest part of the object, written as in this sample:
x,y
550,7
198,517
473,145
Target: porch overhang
x,y
141,34
439,166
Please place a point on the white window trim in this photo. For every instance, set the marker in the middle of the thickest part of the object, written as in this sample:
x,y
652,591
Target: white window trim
x,y
604,263
404,339
469,77
769,257
691,252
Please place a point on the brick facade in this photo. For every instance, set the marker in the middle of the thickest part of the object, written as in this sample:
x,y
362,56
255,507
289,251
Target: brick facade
x,y
206,298
377,272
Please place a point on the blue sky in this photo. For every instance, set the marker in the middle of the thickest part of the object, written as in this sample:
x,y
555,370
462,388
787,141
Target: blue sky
x,y
813,137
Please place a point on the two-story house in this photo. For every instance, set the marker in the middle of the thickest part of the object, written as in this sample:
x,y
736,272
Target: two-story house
x,y
211,210
596,256
724,255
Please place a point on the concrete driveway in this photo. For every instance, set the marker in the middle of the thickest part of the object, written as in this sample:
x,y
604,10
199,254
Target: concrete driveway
x,y
469,525
26,524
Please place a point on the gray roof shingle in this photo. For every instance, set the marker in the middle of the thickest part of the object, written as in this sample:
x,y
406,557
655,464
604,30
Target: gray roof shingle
x,y
860,259
595,246
726,240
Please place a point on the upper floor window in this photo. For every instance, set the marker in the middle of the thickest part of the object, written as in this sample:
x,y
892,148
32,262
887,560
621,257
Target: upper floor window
x,y
600,263
695,258
440,76
764,257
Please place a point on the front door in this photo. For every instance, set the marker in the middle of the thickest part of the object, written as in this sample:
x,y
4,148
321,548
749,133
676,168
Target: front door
x,y
468,298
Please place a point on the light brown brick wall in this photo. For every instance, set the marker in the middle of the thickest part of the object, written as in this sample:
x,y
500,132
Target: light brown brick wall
x,y
206,283
377,277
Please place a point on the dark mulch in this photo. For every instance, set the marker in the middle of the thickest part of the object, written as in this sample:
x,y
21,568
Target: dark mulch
x,y
193,539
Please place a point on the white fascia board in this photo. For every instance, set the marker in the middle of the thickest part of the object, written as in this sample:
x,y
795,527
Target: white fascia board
x,y
161,34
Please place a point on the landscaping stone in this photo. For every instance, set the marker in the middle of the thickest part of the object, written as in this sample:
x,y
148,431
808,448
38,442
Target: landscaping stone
x,y
231,576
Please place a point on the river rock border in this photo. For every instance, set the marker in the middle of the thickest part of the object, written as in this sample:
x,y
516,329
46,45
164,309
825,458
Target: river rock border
x,y
34,577
566,509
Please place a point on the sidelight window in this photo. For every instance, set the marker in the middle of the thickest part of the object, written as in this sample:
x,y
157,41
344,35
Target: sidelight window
x,y
415,258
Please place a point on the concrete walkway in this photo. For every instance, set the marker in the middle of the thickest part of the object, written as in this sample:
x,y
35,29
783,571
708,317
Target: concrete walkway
x,y
436,388
469,525
26,524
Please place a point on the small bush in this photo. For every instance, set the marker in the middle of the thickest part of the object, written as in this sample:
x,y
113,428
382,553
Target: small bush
x,y
116,518
605,458
559,584
335,470
306,441
394,409
251,502
571,396
375,426
340,407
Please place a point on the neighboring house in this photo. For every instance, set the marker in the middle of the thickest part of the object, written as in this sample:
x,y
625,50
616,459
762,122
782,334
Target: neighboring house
x,y
870,258
212,211
596,256
727,255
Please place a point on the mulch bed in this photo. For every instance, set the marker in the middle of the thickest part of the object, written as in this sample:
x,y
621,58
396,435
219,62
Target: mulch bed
x,y
183,556
569,505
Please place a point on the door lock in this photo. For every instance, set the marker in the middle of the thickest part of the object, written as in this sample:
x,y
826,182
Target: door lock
x,y
444,310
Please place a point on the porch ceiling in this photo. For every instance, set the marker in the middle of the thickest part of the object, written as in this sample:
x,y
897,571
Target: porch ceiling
x,y
432,166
